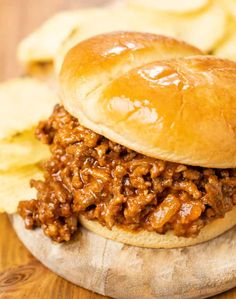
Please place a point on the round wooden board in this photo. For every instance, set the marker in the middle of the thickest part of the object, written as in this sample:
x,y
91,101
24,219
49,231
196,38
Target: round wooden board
x,y
126,272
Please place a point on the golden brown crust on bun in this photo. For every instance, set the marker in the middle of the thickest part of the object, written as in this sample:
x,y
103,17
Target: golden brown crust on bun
x,y
141,91
168,240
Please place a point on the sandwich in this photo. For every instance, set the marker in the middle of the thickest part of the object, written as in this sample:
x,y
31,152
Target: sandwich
x,y
142,145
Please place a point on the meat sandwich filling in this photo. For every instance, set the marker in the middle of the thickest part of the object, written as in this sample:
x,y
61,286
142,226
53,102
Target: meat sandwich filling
x,y
104,181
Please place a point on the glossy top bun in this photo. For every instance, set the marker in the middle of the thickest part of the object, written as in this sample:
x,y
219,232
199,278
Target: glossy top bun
x,y
140,90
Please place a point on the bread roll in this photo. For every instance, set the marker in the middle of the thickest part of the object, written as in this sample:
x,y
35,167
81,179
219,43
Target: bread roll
x,y
168,240
155,95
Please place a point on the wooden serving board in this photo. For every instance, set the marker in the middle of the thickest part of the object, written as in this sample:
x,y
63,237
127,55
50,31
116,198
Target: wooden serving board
x,y
126,272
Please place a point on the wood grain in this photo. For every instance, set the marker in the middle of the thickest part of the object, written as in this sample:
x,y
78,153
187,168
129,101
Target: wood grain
x,y
21,276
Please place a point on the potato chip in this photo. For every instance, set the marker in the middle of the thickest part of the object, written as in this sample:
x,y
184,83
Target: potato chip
x,y
204,29
20,150
43,43
230,6
23,102
15,187
44,72
172,6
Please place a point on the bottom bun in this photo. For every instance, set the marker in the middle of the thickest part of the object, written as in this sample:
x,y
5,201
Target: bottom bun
x,y
169,240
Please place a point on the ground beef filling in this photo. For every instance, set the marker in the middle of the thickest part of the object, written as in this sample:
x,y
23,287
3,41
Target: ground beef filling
x,y
90,175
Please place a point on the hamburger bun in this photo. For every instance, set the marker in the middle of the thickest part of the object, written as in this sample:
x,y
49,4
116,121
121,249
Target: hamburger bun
x,y
155,95
168,240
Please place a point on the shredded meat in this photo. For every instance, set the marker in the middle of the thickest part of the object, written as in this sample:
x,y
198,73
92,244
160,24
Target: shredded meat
x,y
104,181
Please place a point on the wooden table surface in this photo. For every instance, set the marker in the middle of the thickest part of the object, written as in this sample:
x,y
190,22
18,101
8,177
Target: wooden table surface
x,y
21,275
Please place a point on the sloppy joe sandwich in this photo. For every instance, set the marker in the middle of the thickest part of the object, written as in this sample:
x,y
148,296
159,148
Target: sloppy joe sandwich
x,y
143,144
